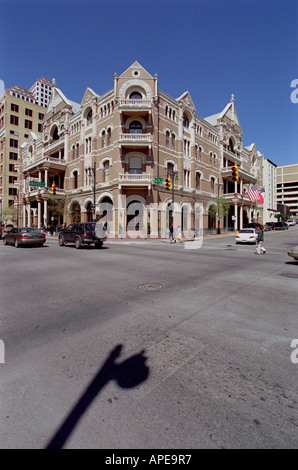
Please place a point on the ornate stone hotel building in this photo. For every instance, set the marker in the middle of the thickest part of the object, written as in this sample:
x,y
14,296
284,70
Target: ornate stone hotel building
x,y
113,152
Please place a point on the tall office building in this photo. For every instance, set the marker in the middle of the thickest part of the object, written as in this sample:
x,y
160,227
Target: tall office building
x,y
269,182
287,188
42,91
20,117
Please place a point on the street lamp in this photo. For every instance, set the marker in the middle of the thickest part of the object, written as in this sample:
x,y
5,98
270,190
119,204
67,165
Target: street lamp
x,y
220,186
93,170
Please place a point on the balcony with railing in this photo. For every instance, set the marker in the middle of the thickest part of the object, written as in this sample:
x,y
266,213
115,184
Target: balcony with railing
x,y
135,140
135,105
137,179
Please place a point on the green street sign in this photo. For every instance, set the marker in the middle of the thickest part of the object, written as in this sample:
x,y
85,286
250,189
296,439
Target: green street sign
x,y
158,180
41,184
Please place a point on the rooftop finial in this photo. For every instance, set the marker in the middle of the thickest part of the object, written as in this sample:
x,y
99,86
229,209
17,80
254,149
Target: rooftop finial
x,y
232,98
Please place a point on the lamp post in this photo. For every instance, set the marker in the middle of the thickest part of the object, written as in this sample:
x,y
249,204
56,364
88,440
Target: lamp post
x,y
220,186
93,170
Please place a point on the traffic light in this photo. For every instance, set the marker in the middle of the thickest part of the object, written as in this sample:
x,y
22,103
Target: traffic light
x,y
168,184
235,173
53,189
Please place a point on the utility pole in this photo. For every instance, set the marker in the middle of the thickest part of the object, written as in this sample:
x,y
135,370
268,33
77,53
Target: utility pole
x,y
93,170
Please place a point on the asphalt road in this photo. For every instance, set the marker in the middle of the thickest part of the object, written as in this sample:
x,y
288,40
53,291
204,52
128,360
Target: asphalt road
x,y
148,345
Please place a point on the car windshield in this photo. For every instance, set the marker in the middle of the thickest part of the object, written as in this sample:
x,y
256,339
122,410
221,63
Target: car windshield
x,y
27,230
247,231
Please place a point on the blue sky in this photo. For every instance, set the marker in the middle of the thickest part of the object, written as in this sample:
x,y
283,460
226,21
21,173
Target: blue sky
x,y
212,48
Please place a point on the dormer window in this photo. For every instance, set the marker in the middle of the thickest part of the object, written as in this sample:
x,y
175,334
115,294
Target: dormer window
x,y
231,145
185,121
89,118
55,134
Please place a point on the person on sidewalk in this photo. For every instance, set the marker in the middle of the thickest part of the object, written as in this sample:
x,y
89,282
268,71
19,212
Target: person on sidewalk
x,y
172,239
260,250
179,233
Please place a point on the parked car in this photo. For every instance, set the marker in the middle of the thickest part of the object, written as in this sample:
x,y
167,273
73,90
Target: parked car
x,y
24,236
280,226
291,223
247,235
82,234
268,226
4,229
293,252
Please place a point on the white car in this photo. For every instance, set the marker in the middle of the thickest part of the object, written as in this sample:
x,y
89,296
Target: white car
x,y
247,235
291,223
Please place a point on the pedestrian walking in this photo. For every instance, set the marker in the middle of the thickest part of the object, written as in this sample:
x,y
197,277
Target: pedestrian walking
x,y
172,239
260,249
179,234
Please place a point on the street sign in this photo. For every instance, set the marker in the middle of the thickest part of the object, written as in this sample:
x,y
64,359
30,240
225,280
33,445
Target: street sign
x,y
41,184
158,180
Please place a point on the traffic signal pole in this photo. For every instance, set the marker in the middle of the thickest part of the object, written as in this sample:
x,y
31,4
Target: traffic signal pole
x,y
173,176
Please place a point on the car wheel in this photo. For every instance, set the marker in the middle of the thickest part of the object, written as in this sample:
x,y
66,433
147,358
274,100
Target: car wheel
x,y
98,244
61,241
78,243
16,243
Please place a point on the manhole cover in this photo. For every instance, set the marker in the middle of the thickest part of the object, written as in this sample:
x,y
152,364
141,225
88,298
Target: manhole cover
x,y
293,275
150,286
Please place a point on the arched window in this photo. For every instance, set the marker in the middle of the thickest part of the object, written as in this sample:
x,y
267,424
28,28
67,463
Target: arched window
x,y
185,121
75,180
77,151
135,95
198,181
135,165
109,134
106,169
73,152
103,139
167,139
173,141
55,134
231,145
135,127
89,118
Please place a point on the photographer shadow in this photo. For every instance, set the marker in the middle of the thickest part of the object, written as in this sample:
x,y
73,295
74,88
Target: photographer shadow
x,y
128,374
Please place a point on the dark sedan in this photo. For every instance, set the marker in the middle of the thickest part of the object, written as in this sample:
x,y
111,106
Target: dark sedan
x,y
24,236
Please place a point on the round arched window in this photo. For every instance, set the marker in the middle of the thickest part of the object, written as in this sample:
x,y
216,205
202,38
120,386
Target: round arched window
x,y
135,127
135,95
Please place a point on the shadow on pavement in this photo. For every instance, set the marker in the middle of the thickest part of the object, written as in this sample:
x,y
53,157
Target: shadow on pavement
x,y
128,374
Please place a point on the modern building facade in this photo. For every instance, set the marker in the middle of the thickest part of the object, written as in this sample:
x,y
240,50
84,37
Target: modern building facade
x,y
42,91
269,183
287,188
20,116
112,153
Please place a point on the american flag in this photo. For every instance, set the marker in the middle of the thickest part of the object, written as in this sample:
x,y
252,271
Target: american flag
x,y
253,193
261,196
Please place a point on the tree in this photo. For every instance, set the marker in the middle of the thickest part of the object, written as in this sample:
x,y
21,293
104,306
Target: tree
x,y
56,206
219,208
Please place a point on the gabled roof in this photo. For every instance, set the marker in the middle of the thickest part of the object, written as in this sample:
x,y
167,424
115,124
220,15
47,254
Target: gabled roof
x,y
88,93
138,66
57,98
187,99
229,111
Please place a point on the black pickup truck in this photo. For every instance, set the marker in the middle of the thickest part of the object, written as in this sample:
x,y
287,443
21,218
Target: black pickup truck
x,y
82,233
